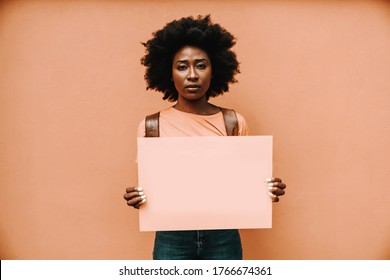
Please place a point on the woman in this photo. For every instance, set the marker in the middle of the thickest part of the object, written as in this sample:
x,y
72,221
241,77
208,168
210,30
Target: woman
x,y
189,61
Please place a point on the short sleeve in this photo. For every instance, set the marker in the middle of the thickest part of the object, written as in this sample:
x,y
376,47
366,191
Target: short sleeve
x,y
243,129
141,129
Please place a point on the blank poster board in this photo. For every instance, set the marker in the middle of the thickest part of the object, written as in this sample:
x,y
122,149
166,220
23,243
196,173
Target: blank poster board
x,y
195,183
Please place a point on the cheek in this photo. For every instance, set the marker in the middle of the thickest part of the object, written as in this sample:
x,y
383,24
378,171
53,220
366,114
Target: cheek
x,y
177,76
209,73
175,79
178,81
208,76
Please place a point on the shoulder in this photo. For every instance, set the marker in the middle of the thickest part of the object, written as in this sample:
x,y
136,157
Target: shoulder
x,y
240,117
141,129
242,125
167,112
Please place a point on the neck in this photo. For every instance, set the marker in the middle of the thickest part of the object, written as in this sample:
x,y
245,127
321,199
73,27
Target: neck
x,y
198,107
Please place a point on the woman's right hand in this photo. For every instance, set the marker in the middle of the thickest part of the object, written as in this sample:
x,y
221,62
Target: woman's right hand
x,y
135,197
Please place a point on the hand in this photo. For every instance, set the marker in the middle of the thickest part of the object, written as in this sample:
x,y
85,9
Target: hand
x,y
135,197
276,188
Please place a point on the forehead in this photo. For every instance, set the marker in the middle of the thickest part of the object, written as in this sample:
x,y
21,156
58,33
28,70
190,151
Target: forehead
x,y
190,53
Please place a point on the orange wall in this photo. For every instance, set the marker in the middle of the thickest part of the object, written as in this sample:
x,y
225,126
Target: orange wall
x,y
315,74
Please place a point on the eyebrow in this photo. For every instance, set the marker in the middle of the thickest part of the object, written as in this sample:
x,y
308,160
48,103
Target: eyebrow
x,y
196,60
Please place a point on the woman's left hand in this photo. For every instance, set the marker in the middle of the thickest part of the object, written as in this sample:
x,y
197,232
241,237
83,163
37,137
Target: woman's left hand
x,y
276,188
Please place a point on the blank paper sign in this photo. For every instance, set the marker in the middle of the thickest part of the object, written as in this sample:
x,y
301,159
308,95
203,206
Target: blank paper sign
x,y
195,183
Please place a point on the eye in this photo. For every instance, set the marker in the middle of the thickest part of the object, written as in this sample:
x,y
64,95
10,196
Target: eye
x,y
201,66
181,67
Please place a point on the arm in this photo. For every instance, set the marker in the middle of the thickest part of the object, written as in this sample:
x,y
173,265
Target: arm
x,y
135,196
275,185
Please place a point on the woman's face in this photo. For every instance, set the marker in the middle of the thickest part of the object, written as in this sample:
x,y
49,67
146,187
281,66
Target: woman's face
x,y
191,73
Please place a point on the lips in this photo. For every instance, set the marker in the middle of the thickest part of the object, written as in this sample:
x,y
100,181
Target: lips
x,y
192,86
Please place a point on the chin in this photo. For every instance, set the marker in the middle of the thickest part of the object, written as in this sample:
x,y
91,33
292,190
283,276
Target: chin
x,y
194,97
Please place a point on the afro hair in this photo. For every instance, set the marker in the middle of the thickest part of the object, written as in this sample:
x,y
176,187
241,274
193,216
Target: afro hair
x,y
201,33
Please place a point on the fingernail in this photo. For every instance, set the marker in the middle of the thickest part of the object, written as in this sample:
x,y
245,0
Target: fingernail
x,y
139,189
269,180
143,196
143,200
270,188
270,185
140,193
272,195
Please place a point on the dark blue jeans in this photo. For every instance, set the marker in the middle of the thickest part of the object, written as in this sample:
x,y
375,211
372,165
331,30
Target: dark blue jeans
x,y
198,245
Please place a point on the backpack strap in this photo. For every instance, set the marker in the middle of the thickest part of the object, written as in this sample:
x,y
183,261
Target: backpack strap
x,y
231,122
152,125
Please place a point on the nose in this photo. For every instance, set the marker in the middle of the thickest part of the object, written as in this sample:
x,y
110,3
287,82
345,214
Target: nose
x,y
192,74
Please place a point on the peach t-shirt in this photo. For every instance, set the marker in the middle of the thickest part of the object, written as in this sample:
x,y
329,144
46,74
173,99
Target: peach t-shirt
x,y
175,123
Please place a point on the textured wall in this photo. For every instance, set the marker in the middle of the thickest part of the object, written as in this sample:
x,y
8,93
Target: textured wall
x,y
315,74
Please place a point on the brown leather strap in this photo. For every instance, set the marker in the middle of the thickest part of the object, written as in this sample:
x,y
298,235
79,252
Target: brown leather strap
x,y
231,122
152,125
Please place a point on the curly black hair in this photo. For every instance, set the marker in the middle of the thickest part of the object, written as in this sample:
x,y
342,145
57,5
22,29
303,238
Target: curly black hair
x,y
201,33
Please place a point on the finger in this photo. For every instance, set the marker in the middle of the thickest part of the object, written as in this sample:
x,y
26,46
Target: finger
x,y
133,202
272,180
139,203
275,198
277,188
132,189
277,184
277,191
131,195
